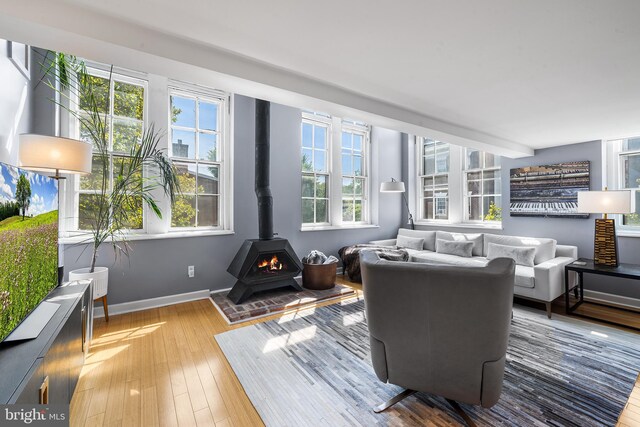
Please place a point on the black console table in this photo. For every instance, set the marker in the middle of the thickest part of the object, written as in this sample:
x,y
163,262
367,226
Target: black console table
x,y
45,370
625,271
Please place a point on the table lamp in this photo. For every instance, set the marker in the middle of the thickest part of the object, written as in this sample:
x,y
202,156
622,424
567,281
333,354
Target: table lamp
x,y
394,186
605,245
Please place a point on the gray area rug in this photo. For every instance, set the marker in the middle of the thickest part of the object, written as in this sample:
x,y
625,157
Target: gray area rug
x,y
313,369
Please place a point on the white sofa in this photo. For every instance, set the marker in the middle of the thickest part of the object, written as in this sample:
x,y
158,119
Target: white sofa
x,y
543,282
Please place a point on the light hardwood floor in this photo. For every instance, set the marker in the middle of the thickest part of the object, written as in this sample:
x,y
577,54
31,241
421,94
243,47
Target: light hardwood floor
x,y
630,416
162,367
625,317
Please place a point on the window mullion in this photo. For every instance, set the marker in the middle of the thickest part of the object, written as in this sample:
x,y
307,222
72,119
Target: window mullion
x,y
110,114
196,189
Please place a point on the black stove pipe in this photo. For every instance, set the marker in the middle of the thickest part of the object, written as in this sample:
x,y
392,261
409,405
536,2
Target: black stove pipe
x,y
263,163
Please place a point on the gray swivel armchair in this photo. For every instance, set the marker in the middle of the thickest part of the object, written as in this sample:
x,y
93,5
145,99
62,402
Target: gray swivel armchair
x,y
439,329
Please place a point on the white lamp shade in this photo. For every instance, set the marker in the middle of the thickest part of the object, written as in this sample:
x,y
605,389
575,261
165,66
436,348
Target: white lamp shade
x,y
392,187
606,202
54,154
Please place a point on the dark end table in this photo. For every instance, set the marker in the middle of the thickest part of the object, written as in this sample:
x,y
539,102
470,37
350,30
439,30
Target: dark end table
x,y
626,271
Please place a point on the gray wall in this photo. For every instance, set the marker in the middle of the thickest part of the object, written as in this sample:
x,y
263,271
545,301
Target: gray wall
x,y
159,267
578,232
15,107
42,104
567,231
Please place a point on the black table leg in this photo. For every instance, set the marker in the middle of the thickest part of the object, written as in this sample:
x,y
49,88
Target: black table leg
x,y
566,291
571,308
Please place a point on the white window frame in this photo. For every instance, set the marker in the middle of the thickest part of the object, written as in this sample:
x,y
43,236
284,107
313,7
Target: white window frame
x,y
456,190
614,153
466,197
334,171
224,158
363,130
114,75
325,122
420,213
156,109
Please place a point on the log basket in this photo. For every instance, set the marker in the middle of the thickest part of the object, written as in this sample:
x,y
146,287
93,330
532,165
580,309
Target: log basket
x,y
319,276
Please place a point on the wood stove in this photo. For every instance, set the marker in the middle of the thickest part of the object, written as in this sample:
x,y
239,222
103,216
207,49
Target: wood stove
x,y
267,262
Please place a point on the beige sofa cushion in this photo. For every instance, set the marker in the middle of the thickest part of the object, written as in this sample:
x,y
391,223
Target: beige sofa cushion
x,y
476,238
545,248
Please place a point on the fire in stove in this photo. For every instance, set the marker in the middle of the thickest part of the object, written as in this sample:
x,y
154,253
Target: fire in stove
x,y
270,264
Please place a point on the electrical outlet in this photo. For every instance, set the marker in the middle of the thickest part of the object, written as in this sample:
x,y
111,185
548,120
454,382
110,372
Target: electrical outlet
x,y
191,271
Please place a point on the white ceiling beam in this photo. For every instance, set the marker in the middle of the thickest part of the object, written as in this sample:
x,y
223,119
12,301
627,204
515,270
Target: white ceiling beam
x,y
82,32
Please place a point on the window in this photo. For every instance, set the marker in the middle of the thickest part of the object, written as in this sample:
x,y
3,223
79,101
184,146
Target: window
x,y
196,147
482,186
198,142
316,139
456,185
434,180
354,176
335,167
121,101
624,155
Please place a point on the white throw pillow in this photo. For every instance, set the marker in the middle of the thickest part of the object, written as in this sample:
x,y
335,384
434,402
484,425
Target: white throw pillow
x,y
522,255
460,248
409,242
545,248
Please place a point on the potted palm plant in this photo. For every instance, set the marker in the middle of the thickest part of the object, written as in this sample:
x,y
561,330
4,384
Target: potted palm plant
x,y
136,178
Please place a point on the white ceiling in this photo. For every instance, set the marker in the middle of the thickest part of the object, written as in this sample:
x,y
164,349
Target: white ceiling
x,y
537,72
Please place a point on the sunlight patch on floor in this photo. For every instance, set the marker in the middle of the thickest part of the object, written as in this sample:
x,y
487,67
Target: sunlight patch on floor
x,y
302,312
353,318
110,339
123,335
293,338
352,299
144,331
118,332
301,301
94,360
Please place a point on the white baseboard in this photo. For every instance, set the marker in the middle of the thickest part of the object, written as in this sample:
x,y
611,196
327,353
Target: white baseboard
x,y
617,300
145,304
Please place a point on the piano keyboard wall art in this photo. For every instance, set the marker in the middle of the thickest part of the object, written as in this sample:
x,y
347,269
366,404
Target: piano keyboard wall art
x,y
549,190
